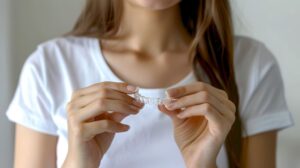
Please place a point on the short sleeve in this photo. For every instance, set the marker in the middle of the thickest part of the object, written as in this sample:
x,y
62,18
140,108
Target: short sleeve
x,y
264,106
31,105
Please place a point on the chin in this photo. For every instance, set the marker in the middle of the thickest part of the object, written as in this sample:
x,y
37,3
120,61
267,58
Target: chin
x,y
154,4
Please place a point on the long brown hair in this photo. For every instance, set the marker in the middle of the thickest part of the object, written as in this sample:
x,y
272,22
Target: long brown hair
x,y
209,23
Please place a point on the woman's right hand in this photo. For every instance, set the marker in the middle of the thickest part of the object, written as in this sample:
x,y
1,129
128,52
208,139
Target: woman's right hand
x,y
94,116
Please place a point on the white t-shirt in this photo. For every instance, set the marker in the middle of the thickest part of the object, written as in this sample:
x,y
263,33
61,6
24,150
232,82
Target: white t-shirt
x,y
60,66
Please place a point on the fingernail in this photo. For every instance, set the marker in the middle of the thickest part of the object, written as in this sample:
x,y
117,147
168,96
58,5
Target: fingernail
x,y
132,88
170,104
171,92
167,93
169,101
126,127
137,103
135,108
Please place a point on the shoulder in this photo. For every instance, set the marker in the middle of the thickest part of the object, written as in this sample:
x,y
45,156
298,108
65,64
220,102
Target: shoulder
x,y
256,68
60,51
59,59
66,41
262,104
249,49
252,59
64,46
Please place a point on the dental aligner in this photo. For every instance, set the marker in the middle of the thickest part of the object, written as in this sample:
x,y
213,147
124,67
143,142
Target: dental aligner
x,y
150,100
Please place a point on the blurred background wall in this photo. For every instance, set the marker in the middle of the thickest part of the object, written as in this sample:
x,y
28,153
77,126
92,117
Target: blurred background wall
x,y
6,131
24,24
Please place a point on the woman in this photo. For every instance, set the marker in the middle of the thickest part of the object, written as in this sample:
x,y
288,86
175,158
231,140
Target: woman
x,y
74,105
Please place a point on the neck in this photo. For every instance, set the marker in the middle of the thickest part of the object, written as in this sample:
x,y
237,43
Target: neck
x,y
153,31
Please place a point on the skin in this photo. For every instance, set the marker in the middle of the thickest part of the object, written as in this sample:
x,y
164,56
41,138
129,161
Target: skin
x,y
91,127
154,46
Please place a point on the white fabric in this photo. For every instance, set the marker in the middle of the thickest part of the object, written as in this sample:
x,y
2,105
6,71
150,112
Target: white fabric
x,y
60,66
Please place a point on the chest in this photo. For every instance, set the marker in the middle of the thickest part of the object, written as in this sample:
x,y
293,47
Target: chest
x,y
148,72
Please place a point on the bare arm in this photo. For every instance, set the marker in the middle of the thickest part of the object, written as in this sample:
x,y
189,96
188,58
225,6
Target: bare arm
x,y
260,150
34,149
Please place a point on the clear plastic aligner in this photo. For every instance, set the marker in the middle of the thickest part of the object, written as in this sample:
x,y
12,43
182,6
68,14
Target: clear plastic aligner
x,y
151,100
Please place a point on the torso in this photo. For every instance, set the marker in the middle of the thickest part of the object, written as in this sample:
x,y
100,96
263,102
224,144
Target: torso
x,y
68,64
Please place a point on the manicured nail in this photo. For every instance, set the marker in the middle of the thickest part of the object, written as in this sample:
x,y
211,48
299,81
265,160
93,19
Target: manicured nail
x,y
137,103
170,104
170,101
135,108
126,127
167,93
132,88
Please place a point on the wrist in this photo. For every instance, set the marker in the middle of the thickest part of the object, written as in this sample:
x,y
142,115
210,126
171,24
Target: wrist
x,y
200,164
212,165
200,160
79,161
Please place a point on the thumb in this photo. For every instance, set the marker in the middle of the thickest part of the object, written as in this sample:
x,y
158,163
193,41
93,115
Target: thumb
x,y
172,114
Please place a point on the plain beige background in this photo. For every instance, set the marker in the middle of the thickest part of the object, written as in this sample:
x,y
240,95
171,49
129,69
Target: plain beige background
x,y
25,23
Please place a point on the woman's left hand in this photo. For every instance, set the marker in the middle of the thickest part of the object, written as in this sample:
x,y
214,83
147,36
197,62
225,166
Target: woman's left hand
x,y
202,117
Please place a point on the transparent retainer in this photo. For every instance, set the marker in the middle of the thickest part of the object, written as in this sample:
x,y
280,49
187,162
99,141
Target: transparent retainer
x,y
151,100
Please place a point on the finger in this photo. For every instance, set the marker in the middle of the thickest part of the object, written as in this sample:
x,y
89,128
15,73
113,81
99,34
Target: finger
x,y
171,114
105,94
199,98
98,107
121,87
206,110
194,88
91,129
216,121
118,117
